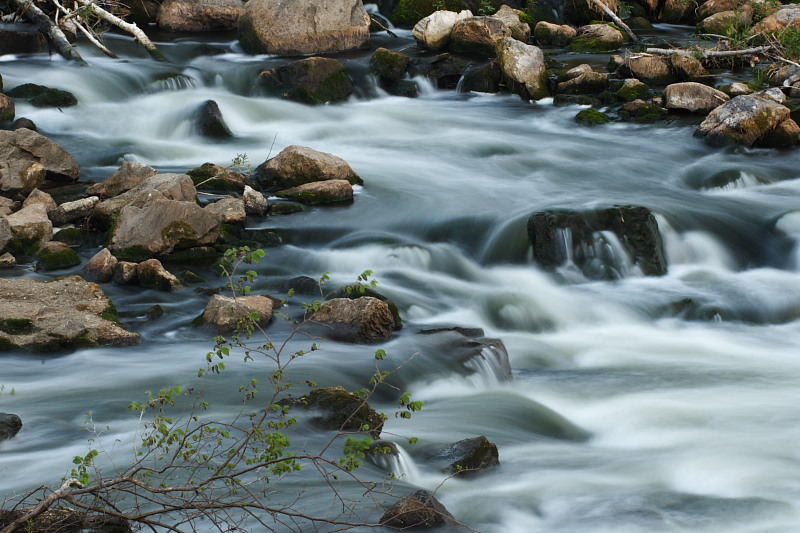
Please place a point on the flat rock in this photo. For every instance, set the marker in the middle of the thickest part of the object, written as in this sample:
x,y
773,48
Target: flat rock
x,y
225,313
693,97
27,158
178,187
200,16
63,313
296,165
228,210
320,192
128,176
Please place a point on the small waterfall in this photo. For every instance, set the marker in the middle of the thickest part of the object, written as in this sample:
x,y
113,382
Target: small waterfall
x,y
425,85
173,82
604,256
398,463
491,366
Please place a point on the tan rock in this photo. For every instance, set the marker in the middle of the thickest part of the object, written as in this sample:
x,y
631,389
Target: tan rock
x,y
320,192
7,260
101,266
7,108
549,34
742,120
520,31
125,273
27,157
71,211
784,135
255,203
39,197
152,275
433,31
228,314
6,233
693,97
649,68
31,225
687,68
200,16
364,319
128,176
228,210
296,165
178,187
523,67
7,206
722,22
478,36
786,16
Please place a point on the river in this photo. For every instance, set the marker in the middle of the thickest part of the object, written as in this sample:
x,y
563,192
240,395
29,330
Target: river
x,y
628,411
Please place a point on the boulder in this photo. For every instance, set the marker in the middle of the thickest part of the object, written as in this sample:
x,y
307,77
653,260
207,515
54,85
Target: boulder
x,y
31,227
342,410
585,83
635,228
21,39
193,16
7,260
597,38
161,226
687,67
478,36
389,65
784,135
420,510
523,68
742,120
632,89
288,28
38,197
320,192
125,273
315,80
152,275
484,79
214,177
9,426
737,89
711,7
226,314
592,117
7,206
55,255
71,211
361,320
693,97
129,175
469,456
255,203
677,11
228,210
433,31
641,111
209,122
520,31
722,22
648,68
774,93
178,187
41,96
101,266
549,34
64,313
296,165
7,108
787,16
27,158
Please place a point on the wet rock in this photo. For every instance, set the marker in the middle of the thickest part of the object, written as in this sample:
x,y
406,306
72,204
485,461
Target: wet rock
x,y
208,15
548,34
285,208
389,65
31,227
125,273
722,22
635,229
71,235
469,456
23,123
226,314
101,266
520,31
9,426
279,27
7,108
647,68
315,80
445,70
178,187
592,117
27,158
7,260
21,39
71,211
129,175
775,94
597,38
209,121
736,89
161,226
784,135
361,320
228,210
523,68
63,313
641,111
677,11
296,165
687,67
42,198
320,192
786,16
484,79
420,510
55,255
41,96
211,176
152,275
342,410
693,97
7,206
433,31
585,83
742,120
255,203
632,89
478,36
639,23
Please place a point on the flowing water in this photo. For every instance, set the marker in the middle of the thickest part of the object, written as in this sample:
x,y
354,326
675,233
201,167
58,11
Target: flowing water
x,y
645,404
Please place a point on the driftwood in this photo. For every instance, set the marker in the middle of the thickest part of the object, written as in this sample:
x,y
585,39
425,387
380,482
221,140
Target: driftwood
x,y
131,28
90,35
54,34
617,20
708,54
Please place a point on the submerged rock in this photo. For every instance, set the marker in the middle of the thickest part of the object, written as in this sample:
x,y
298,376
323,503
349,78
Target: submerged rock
x,y
634,227
296,165
433,31
315,80
209,121
362,320
470,456
9,426
420,510
41,96
226,313
64,313
342,410
286,28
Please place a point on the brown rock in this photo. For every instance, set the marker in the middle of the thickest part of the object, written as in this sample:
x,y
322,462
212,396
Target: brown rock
x,y
420,510
313,81
7,108
786,16
200,15
675,11
178,187
31,225
7,260
228,210
152,275
129,175
712,7
226,313
478,36
785,135
520,31
361,320
125,273
693,97
101,266
70,211
7,206
320,192
27,158
523,68
433,32
289,28
687,68
255,203
648,68
296,165
722,22
742,120
549,34
585,83
42,198
67,312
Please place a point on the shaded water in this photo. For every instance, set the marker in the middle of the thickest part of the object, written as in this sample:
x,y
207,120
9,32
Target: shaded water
x,y
640,405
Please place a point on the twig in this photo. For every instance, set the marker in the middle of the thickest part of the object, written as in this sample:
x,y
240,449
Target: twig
x,y
89,35
382,26
49,28
617,20
131,28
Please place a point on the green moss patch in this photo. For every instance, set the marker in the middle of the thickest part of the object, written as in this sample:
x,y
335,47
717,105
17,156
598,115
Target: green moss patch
x,y
592,117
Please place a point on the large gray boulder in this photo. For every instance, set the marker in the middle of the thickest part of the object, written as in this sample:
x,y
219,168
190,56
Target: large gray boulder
x,y
433,31
64,313
523,67
296,165
27,158
290,27
742,120
693,97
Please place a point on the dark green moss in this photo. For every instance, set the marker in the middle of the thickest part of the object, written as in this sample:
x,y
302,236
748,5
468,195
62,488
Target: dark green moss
x,y
409,12
6,344
629,94
110,313
644,113
134,254
592,117
589,45
49,259
209,176
16,326
71,236
41,96
188,277
389,64
285,208
23,247
344,410
180,233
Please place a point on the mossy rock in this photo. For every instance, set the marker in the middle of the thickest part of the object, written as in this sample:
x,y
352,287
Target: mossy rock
x,y
23,247
409,12
71,236
633,92
198,254
344,410
6,344
575,99
644,113
389,64
110,313
209,176
57,255
285,208
590,45
592,117
16,326
41,96
134,254
471,456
